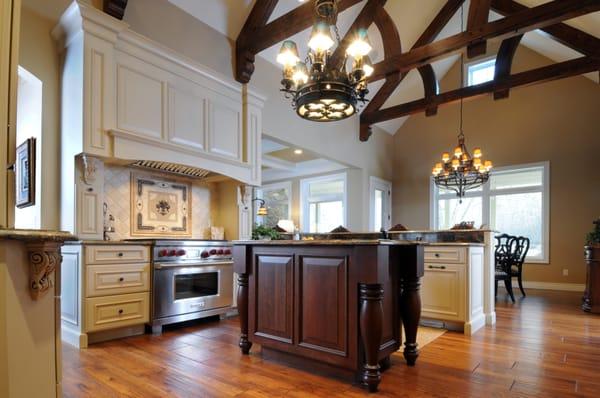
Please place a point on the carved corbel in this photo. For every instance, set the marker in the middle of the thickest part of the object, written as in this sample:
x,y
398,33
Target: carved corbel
x,y
90,168
245,196
44,257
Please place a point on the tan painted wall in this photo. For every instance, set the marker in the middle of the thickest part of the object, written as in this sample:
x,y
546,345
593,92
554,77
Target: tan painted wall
x,y
557,122
39,56
224,201
27,334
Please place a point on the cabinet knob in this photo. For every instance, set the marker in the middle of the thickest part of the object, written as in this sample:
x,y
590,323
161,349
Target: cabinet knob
x,y
120,254
437,254
121,279
120,311
90,189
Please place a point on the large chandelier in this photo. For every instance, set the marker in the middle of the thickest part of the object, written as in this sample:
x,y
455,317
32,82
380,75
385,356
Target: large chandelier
x,y
322,91
463,171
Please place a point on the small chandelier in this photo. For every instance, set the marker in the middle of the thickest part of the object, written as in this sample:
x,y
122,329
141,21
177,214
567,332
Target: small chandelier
x,y
462,172
321,91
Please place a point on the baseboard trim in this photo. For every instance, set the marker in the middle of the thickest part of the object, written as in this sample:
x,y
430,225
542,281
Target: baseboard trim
x,y
566,287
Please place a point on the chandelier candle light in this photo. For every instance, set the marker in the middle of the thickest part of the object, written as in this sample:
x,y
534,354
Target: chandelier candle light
x,y
462,172
326,92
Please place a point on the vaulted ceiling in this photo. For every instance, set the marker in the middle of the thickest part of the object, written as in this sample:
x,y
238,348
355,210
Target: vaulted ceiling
x,y
411,19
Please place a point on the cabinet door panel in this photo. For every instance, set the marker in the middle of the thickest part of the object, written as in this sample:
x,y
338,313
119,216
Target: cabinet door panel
x,y
443,292
273,280
69,276
139,102
89,207
323,306
225,127
186,116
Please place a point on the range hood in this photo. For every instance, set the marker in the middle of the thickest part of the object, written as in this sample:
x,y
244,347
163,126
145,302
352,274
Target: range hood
x,y
173,168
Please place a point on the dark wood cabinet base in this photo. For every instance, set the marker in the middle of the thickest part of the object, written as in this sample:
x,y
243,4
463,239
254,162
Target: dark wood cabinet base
x,y
336,309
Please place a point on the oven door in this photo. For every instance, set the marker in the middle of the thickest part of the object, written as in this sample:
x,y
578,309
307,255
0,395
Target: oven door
x,y
182,289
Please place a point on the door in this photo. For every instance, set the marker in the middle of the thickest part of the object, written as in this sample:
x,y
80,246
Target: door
x,y
380,204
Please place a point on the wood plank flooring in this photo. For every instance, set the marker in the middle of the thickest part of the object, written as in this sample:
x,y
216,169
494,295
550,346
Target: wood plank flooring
x,y
542,346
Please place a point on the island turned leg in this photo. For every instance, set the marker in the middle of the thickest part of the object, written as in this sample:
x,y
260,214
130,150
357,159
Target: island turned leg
x,y
410,304
371,330
242,305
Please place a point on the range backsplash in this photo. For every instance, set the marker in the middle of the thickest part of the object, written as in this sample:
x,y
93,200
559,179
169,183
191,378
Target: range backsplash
x,y
117,185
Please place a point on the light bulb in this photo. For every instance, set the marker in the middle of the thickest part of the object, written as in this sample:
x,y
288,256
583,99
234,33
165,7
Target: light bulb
x,y
367,66
320,38
477,153
300,75
464,157
288,54
435,171
488,165
438,166
360,46
455,163
477,163
445,157
458,151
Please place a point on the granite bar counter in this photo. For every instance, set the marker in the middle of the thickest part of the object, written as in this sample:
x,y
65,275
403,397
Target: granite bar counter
x,y
331,306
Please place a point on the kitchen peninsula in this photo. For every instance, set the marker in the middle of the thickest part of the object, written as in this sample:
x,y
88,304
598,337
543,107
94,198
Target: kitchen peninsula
x,y
335,306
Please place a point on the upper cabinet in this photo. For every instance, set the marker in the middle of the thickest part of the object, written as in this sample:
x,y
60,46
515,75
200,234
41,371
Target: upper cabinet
x,y
127,97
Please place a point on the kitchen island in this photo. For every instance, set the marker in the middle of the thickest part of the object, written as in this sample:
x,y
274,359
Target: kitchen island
x,y
334,306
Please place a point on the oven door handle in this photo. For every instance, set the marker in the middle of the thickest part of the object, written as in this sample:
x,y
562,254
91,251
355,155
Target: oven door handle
x,y
179,265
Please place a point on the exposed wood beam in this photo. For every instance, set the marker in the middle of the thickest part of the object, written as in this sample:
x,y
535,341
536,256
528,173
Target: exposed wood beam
x,y
362,21
393,80
504,60
518,23
115,8
544,74
244,57
479,11
430,87
563,33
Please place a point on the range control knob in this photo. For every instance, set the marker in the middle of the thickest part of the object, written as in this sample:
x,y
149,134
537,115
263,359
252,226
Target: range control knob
x,y
204,254
180,252
227,251
213,252
220,252
162,253
173,252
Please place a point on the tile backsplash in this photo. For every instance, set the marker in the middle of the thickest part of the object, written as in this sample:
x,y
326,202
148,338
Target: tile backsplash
x,y
117,194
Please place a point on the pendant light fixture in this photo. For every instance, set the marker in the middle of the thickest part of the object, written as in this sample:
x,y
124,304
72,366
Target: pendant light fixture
x,y
462,171
321,91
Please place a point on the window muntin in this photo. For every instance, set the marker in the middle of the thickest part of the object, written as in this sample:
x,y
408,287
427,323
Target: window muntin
x,y
515,201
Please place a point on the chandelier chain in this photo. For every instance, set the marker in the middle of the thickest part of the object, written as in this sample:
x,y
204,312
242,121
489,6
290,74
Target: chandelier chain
x,y
461,134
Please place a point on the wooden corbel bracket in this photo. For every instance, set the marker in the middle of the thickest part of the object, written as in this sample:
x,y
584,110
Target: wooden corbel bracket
x,y
44,257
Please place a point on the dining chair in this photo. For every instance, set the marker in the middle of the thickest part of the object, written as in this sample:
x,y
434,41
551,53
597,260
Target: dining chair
x,y
519,252
503,262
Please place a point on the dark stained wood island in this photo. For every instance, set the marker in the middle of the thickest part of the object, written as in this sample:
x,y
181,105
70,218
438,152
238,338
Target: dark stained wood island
x,y
336,306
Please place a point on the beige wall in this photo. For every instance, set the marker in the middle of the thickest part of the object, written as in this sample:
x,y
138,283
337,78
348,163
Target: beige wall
x,y
39,56
224,201
557,122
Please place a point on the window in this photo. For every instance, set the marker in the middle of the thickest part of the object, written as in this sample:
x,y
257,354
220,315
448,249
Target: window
x,y
380,204
278,200
323,203
480,71
514,201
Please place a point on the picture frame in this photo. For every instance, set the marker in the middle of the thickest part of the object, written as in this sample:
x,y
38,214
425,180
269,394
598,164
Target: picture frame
x,y
25,174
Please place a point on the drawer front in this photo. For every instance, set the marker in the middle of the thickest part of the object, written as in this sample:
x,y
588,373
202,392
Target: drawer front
x,y
445,254
117,254
111,312
102,280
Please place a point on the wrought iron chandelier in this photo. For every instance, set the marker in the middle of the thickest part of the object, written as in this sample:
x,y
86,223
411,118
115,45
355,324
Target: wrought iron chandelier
x,y
462,172
321,90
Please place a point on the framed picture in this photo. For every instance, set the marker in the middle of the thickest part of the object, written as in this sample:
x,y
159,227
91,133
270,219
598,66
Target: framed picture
x,y
25,174
160,206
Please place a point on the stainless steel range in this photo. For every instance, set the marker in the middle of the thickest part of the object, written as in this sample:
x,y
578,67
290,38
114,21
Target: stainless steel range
x,y
191,279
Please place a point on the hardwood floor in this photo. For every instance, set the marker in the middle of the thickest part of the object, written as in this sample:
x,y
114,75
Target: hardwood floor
x,y
542,346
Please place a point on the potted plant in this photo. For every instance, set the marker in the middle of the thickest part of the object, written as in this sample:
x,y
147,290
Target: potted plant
x,y
262,232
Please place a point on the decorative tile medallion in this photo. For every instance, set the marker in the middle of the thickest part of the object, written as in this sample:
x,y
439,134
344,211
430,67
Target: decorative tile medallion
x,y
160,206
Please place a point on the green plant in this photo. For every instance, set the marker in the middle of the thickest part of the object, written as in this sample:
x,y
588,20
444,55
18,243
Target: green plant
x,y
593,238
261,231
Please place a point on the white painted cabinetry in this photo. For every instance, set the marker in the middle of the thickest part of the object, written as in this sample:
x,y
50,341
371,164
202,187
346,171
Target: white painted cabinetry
x,y
106,292
453,285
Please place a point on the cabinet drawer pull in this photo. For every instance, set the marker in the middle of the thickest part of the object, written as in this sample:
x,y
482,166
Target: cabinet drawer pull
x,y
437,267
120,311
120,254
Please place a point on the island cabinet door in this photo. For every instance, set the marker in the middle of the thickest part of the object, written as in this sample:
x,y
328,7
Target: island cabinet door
x,y
322,306
271,286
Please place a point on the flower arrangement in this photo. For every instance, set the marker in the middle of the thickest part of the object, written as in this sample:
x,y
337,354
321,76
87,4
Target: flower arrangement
x,y
593,238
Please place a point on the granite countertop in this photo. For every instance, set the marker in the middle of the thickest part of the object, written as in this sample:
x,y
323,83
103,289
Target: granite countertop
x,y
456,244
435,231
35,235
328,242
111,242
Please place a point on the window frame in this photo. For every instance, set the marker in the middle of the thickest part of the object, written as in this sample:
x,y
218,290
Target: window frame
x,y
476,62
376,183
259,194
304,203
487,193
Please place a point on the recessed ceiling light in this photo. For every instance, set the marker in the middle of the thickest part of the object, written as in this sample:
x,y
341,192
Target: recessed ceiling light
x,y
298,151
